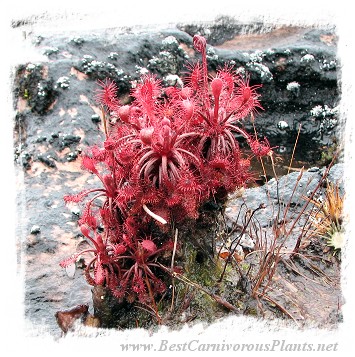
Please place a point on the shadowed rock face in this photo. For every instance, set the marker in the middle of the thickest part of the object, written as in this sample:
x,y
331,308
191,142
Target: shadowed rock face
x,y
57,118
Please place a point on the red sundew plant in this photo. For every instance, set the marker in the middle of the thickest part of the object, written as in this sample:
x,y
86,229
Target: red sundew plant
x,y
166,154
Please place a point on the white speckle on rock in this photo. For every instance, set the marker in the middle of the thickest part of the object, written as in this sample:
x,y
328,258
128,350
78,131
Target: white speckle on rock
x,y
78,40
257,56
35,229
308,58
240,71
262,70
211,54
96,63
328,66
63,82
293,86
142,70
41,91
30,67
316,111
113,55
154,60
50,50
173,79
119,72
110,66
169,40
75,211
247,242
324,111
282,125
313,169
281,149
166,54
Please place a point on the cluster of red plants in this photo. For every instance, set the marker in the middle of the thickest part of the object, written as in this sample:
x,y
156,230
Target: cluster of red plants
x,y
165,155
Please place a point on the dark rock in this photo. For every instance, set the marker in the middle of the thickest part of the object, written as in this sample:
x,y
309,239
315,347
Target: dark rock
x,y
32,85
300,87
41,139
102,70
107,308
170,59
47,159
25,159
96,118
78,41
48,203
75,212
72,156
68,139
35,229
62,82
50,51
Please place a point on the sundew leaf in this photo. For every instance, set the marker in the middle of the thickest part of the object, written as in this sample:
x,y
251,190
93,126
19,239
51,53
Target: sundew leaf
x,y
149,245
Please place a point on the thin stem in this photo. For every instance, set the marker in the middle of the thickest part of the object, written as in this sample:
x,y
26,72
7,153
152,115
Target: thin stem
x,y
172,269
292,156
104,121
216,109
294,149
155,308
238,238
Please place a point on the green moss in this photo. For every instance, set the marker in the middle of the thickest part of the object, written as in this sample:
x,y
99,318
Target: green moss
x,y
200,268
205,272
328,153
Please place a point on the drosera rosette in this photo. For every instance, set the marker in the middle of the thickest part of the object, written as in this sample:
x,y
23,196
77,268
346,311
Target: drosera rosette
x,y
165,155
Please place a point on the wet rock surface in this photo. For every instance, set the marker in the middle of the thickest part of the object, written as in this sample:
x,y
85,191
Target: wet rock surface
x,y
57,118
297,66
289,195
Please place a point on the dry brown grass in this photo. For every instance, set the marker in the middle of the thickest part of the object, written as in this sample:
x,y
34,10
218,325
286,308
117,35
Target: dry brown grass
x,y
327,218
